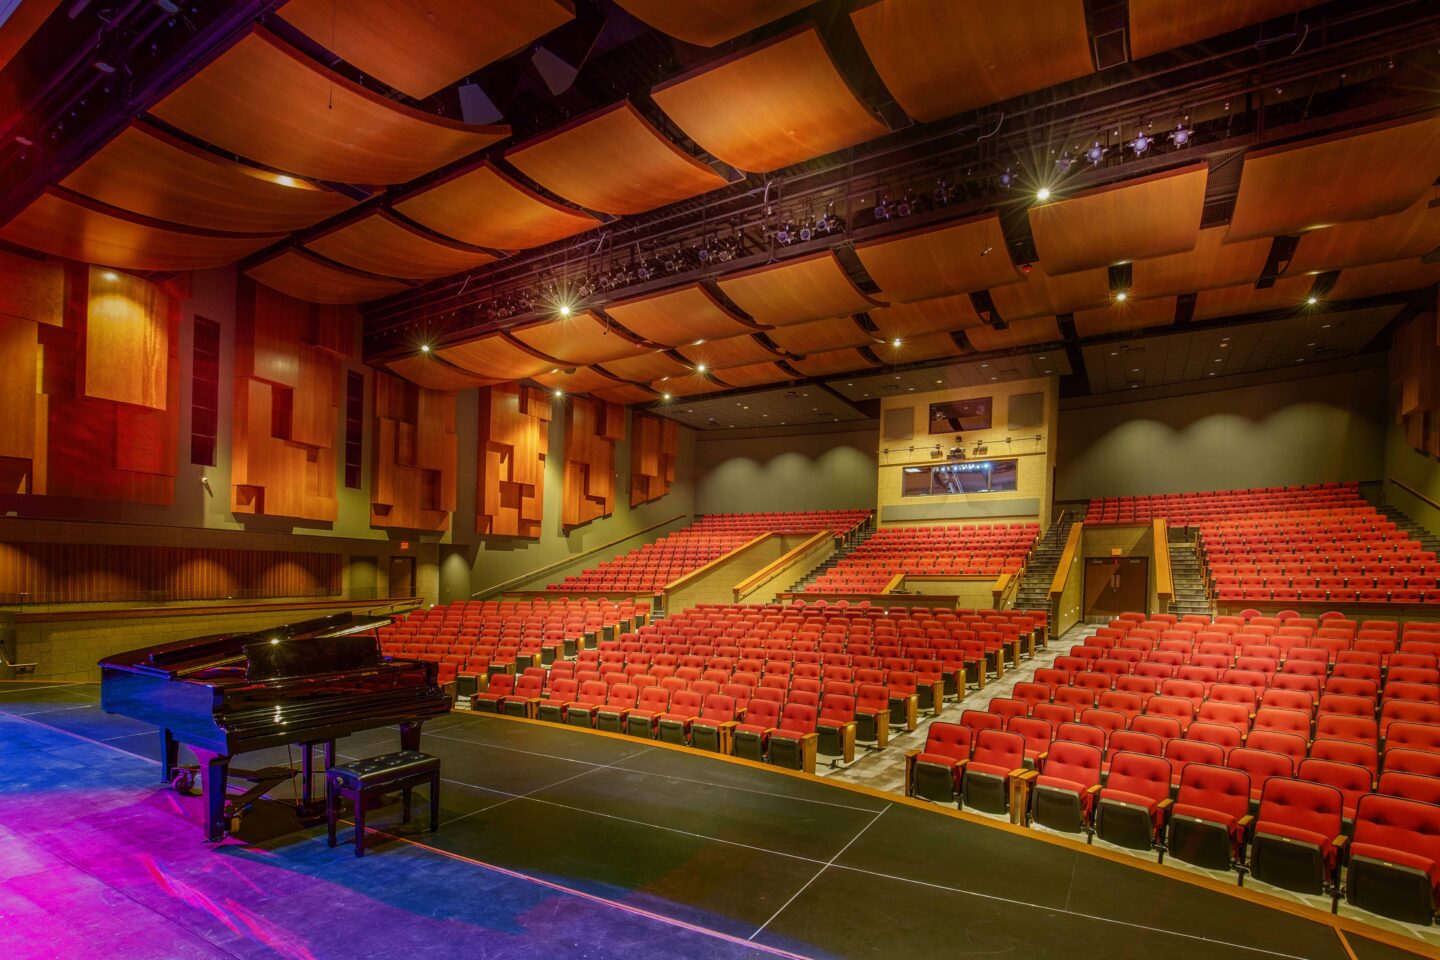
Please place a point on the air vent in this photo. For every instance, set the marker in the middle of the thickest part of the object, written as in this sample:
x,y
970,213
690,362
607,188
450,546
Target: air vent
x,y
1110,49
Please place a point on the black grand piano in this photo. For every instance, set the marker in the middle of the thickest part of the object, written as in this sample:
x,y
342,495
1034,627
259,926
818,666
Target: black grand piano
x,y
303,683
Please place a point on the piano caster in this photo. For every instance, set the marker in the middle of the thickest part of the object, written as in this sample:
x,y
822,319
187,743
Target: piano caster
x,y
184,783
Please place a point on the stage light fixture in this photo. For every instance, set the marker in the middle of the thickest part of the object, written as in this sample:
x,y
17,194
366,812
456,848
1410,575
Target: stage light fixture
x,y
700,368
559,393
424,348
1141,143
1312,300
1007,179
897,342
1181,135
1065,162
1096,153
564,309
1121,296
665,397
1042,194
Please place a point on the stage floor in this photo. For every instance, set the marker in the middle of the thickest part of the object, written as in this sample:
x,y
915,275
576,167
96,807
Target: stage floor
x,y
555,842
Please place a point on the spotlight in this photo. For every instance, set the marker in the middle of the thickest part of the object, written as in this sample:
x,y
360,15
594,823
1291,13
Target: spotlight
x,y
1042,194
665,396
424,348
1312,300
1065,162
1121,296
564,309
700,368
897,342
1096,153
109,276
1141,143
1007,178
1181,135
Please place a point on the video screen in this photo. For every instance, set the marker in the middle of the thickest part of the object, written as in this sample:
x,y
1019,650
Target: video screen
x,y
970,476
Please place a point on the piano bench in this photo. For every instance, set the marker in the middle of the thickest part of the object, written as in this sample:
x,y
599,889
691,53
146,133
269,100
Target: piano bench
x,y
366,779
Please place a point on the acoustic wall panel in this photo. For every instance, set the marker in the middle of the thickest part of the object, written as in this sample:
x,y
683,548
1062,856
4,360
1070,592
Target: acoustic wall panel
x,y
591,431
654,446
514,435
126,340
412,482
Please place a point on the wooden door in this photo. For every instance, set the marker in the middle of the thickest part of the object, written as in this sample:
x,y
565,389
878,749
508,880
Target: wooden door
x,y
402,576
1115,585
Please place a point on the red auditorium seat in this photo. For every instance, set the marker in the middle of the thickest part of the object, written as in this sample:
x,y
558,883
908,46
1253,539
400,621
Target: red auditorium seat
x,y
1410,786
674,723
1260,766
1131,808
642,721
1297,835
792,743
1210,819
713,728
620,700
835,726
872,713
985,782
493,698
935,770
1394,862
752,736
1065,791
562,693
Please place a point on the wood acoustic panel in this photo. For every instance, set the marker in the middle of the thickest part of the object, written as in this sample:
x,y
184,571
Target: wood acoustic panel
x,y
1288,293
494,357
796,291
654,448
935,261
646,366
147,171
387,246
96,573
940,59
1355,175
1038,294
487,208
31,289
830,334
412,482
32,292
1157,25
1379,279
1415,373
514,436
287,395
706,23
628,393
68,225
583,380
614,161
591,432
1126,316
756,374
307,277
1019,333
127,330
578,339
433,374
770,106
729,352
267,101
1212,263
678,316
830,362
419,47
1150,217
930,346
25,18
940,315
1412,232
688,385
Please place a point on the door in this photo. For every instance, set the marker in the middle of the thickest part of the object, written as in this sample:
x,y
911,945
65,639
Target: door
x,y
1115,585
402,576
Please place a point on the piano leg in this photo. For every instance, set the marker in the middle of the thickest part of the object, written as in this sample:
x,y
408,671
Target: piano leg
x,y
307,768
169,755
215,770
410,735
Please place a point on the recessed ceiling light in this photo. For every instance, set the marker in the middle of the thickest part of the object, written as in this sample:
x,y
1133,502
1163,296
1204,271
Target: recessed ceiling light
x,y
1114,353
984,365
564,309
1219,361
1041,357
1324,326
911,389
1224,345
994,378
1042,194
897,342
1312,300
664,396
939,381
559,393
1224,338
424,348
700,368
1121,296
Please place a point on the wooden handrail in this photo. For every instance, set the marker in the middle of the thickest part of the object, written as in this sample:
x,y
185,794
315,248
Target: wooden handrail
x,y
210,610
505,585
895,583
700,571
997,592
744,587
1072,546
1164,583
1413,492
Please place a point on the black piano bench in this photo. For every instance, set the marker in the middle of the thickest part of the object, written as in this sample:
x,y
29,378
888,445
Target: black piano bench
x,y
365,779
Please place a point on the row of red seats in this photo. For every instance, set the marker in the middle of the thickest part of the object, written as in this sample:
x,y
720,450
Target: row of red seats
x,y
841,522
960,550
1187,509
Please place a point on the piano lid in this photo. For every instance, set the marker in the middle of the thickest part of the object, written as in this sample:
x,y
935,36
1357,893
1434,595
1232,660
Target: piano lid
x,y
279,659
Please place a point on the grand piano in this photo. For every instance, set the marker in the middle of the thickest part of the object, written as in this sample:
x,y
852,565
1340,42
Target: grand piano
x,y
304,683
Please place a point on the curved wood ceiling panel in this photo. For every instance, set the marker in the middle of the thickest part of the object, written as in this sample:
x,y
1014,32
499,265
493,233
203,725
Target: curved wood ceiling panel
x,y
146,171
1382,278
495,357
940,59
577,339
629,393
21,25
614,161
1022,333
1150,217
831,362
729,352
708,22
935,261
1288,292
380,243
646,366
689,385
1409,233
677,316
434,375
486,208
69,225
306,277
1212,263
796,291
817,335
927,316
264,100
1356,176
1157,25
932,346
770,106
418,47
1039,294
1125,317
755,375
583,380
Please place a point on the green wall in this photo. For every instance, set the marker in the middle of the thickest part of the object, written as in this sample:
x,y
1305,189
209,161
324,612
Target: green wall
x,y
1417,470
808,469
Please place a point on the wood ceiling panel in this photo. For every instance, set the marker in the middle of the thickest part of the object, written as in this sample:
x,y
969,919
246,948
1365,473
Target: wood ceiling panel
x,y
1039,294
935,261
690,385
495,357
580,338
1150,217
708,22
629,393
1157,25
796,291
940,315
931,346
831,362
433,374
817,335
729,352
486,208
1125,317
583,380
1212,263
1233,301
146,171
21,25
646,366
69,225
940,59
1373,173
755,375
1381,278
1409,233
677,316
770,106
614,161
1020,333
382,244
308,278
419,46
264,100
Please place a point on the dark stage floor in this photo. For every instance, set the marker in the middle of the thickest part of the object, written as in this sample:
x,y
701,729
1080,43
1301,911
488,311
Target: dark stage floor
x,y
555,843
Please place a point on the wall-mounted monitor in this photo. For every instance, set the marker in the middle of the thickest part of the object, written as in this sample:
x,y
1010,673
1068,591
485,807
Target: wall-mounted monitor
x,y
970,476
960,416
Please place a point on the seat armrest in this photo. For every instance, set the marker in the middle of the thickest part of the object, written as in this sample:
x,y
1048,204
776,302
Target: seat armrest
x,y
1094,790
912,754
1165,804
1025,773
1340,842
